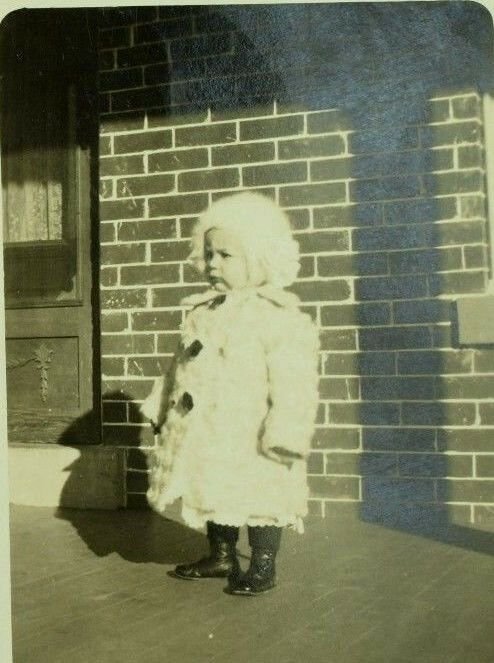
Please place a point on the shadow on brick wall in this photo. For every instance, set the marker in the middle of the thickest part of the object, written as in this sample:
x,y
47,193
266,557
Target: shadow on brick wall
x,y
96,482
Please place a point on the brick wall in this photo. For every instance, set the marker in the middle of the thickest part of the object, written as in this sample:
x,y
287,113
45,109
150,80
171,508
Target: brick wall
x,y
386,194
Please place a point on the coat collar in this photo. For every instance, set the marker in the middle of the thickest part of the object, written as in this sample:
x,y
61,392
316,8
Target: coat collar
x,y
278,296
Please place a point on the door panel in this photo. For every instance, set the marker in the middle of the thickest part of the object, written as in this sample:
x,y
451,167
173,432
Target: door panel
x,y
48,141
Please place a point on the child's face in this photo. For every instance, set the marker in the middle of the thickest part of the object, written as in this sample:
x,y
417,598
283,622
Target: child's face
x,y
226,265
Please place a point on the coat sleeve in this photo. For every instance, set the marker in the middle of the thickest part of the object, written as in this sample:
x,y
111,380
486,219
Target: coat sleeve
x,y
292,361
155,406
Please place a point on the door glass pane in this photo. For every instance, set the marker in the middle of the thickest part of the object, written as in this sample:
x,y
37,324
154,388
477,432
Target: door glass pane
x,y
33,203
39,175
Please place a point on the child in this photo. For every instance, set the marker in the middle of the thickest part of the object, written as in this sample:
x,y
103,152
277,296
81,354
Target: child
x,y
236,411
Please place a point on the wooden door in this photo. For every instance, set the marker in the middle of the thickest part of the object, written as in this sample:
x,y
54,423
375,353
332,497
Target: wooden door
x,y
48,134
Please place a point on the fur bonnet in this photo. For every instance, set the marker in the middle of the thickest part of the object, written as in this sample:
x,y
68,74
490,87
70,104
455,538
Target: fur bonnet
x,y
262,228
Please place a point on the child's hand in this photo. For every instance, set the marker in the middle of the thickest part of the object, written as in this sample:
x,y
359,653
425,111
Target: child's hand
x,y
282,455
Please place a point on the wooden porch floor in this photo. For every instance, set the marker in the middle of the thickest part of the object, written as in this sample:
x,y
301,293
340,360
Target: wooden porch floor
x,y
93,586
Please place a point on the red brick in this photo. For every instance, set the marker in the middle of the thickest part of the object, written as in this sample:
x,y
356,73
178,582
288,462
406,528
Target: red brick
x,y
258,107
459,182
470,156
306,148
241,154
475,256
168,343
313,194
137,482
487,413
148,366
156,320
126,389
175,116
268,192
485,465
484,361
149,274
116,16
121,209
136,459
107,232
106,60
104,103
299,218
114,37
205,180
108,276
271,128
139,142
106,189
116,254
114,412
315,507
186,226
334,388
334,487
114,322
307,267
123,298
131,121
129,187
124,344
178,160
112,366
466,107
158,31
207,135
170,251
173,296
450,134
338,339
104,145
127,435
274,174
438,110
178,205
134,413
201,46
192,275
328,121
322,290
120,79
142,230
315,463
128,165
314,242
467,490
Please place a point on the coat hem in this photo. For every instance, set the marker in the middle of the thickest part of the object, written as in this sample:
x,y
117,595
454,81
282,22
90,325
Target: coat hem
x,y
197,518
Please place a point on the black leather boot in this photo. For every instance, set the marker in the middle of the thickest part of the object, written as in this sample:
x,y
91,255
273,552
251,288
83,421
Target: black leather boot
x,y
222,560
261,574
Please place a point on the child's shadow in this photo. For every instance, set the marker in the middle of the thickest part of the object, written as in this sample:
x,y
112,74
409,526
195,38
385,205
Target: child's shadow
x,y
137,535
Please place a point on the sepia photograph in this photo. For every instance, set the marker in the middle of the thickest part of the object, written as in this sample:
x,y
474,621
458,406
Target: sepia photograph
x,y
248,370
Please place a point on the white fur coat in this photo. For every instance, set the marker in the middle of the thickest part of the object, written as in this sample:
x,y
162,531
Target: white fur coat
x,y
244,380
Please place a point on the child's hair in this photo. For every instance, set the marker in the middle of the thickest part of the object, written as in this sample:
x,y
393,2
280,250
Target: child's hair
x,y
262,228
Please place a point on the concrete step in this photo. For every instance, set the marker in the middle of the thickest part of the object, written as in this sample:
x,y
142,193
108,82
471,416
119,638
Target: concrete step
x,y
82,477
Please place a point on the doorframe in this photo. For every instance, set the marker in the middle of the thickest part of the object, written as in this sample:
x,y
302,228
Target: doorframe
x,y
86,190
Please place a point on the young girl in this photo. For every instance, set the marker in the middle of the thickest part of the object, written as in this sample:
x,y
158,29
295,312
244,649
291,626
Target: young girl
x,y
236,411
